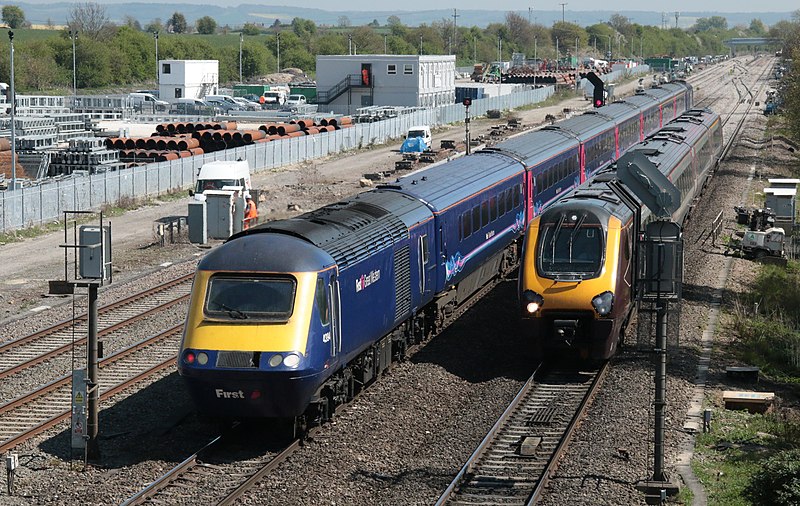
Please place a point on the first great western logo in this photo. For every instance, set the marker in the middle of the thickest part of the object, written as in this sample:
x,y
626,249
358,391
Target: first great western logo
x,y
367,279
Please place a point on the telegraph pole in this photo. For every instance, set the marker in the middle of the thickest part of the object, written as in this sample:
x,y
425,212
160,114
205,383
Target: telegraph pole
x,y
562,11
13,100
455,33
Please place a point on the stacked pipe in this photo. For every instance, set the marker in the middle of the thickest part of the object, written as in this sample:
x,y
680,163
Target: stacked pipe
x,y
304,126
5,160
171,141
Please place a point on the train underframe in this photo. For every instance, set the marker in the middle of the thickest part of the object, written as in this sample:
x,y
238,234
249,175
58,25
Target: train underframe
x,y
426,323
580,333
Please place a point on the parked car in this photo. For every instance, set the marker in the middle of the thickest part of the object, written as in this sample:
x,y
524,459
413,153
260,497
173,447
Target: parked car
x,y
193,106
225,103
146,102
295,101
247,105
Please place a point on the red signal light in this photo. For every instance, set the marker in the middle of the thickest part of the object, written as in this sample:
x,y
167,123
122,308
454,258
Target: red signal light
x,y
467,102
189,357
598,103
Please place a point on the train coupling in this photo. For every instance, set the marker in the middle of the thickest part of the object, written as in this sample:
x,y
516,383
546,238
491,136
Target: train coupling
x,y
565,329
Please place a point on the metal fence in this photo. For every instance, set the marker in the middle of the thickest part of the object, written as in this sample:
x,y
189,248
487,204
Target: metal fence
x,y
46,202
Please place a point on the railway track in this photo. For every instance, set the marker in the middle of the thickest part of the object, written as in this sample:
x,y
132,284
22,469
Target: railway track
x,y
232,477
18,355
35,412
513,462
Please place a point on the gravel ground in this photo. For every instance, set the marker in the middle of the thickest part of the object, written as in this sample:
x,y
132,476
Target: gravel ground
x,y
404,439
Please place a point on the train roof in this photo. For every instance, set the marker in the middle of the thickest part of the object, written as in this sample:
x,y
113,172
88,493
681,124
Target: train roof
x,y
444,185
586,125
266,253
640,100
618,111
665,90
536,145
692,124
594,194
352,229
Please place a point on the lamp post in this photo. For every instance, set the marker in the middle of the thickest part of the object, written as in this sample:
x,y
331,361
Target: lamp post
x,y
13,100
557,62
73,34
155,36
278,44
385,46
241,40
609,48
563,4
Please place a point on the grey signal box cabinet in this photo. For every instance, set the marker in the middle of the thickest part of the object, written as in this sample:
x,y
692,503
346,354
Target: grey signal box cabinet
x,y
94,263
219,209
197,220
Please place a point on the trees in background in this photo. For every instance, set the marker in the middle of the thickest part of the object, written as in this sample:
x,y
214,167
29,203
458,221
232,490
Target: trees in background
x,y
13,16
91,21
127,56
177,23
206,25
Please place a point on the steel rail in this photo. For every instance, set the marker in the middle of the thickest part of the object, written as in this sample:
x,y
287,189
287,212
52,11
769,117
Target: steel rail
x,y
520,404
64,383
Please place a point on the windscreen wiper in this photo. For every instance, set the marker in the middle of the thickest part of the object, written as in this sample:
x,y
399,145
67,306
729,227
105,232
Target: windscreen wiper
x,y
574,233
234,313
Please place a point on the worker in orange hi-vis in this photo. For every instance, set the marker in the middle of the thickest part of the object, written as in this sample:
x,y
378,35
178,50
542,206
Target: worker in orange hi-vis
x,y
262,100
250,211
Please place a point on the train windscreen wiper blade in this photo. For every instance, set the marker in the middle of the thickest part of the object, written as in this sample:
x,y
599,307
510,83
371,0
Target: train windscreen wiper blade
x,y
554,239
574,233
234,313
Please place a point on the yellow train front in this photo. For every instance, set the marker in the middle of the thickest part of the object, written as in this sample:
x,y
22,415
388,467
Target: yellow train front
x,y
578,271
575,280
246,323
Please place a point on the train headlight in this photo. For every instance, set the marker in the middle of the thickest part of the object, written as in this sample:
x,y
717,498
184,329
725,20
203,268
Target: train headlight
x,y
532,301
275,360
291,360
202,358
603,303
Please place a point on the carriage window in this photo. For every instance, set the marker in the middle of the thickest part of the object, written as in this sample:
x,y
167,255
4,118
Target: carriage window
x,y
250,297
423,241
466,225
321,300
493,208
510,199
476,219
517,195
484,214
501,204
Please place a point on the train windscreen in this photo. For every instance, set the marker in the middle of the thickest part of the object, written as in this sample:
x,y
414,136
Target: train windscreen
x,y
250,297
570,248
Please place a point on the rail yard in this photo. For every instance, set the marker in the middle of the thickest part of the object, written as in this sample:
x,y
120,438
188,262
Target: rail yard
x,y
406,438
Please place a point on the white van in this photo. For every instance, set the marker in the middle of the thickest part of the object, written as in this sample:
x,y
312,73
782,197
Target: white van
x,y
216,175
147,102
423,131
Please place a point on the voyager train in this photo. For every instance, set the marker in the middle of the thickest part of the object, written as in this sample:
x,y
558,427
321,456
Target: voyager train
x,y
290,318
576,274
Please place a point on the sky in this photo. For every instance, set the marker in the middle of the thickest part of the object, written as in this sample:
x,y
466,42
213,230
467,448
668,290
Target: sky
x,y
552,5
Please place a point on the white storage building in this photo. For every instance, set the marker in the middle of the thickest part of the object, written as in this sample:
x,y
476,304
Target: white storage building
x,y
347,82
187,79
